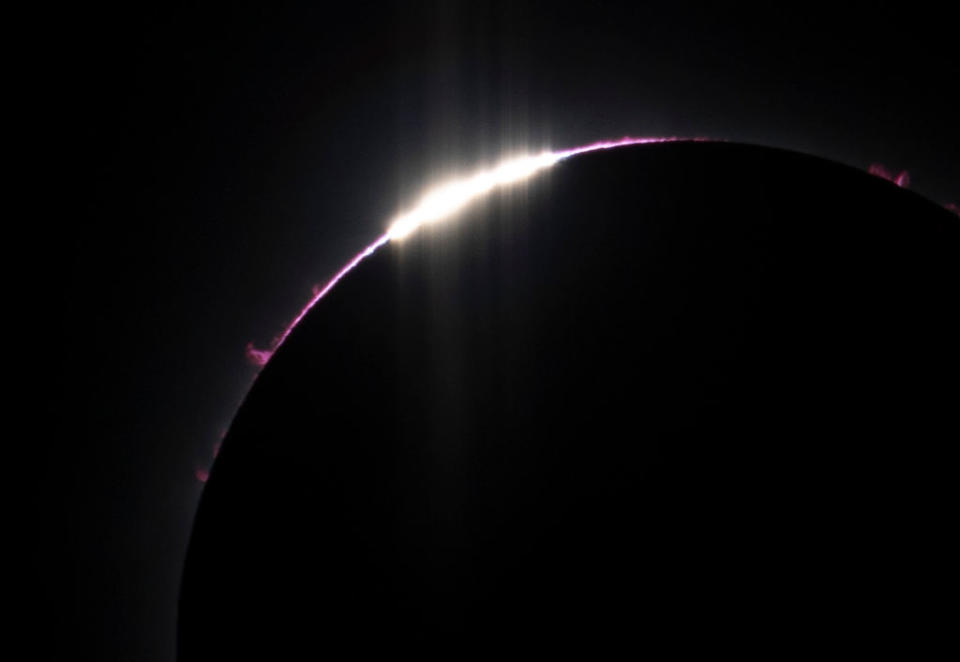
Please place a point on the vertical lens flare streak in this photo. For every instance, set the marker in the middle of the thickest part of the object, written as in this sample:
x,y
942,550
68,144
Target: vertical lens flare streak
x,y
444,201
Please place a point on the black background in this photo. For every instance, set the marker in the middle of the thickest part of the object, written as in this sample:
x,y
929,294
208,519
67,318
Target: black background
x,y
204,167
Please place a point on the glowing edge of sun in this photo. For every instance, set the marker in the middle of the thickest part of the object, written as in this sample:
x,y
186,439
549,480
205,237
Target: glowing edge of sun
x,y
443,202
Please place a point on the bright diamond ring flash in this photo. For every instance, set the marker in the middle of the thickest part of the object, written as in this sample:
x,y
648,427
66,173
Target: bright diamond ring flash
x,y
444,201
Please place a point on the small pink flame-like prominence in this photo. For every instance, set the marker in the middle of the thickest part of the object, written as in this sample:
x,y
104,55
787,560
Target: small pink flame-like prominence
x,y
203,475
258,357
879,170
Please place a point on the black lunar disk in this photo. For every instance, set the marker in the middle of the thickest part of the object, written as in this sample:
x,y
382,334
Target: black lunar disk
x,y
687,393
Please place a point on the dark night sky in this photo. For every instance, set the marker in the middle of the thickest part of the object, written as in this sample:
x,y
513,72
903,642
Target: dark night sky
x,y
213,165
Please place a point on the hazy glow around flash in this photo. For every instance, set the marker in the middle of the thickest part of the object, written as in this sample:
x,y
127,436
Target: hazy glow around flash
x,y
447,199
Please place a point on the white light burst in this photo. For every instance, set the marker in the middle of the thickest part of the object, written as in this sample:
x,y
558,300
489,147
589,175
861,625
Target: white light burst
x,y
447,199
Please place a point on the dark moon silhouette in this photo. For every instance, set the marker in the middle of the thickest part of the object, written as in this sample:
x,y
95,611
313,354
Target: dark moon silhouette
x,y
686,394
